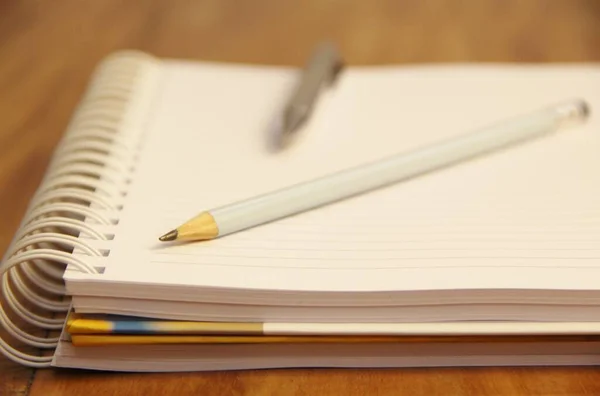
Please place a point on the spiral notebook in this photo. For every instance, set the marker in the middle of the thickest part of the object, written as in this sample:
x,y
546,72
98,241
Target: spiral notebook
x,y
508,238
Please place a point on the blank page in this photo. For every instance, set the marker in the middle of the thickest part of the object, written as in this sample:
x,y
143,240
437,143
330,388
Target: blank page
x,y
524,218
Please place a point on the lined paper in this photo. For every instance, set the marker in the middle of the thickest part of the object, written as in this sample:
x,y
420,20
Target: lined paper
x,y
525,218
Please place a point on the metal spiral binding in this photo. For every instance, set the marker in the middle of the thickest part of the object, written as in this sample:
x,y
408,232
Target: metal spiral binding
x,y
75,205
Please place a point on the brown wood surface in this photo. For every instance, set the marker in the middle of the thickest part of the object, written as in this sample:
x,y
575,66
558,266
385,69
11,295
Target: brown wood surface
x,y
48,49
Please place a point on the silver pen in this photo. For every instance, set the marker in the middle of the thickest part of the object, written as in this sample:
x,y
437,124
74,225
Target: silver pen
x,y
322,69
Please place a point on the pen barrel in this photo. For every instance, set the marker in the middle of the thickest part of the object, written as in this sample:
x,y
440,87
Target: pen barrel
x,y
364,178
321,69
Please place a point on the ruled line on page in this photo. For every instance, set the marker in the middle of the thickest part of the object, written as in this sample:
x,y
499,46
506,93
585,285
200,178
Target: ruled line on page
x,y
381,241
397,258
372,267
231,248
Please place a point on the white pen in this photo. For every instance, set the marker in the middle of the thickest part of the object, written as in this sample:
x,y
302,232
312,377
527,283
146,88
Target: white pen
x,y
237,216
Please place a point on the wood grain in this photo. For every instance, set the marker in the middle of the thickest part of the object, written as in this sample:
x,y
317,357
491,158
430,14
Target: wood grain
x,y
48,50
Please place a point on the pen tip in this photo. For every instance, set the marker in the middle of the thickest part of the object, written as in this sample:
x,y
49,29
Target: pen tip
x,y
169,236
585,109
284,138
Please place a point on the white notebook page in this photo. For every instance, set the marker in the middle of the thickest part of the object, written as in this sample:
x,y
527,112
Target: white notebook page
x,y
528,217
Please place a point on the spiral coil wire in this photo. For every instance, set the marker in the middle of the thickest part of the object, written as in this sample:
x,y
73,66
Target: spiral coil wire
x,y
75,205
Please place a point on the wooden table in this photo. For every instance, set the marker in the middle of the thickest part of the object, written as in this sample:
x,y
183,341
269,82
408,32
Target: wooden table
x,y
48,49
